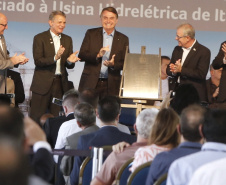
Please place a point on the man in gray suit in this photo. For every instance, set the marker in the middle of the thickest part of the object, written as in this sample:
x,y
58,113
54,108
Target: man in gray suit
x,y
85,115
7,62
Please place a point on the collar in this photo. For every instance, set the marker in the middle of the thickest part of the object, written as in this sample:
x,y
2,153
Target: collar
x,y
112,33
188,144
54,35
214,146
190,47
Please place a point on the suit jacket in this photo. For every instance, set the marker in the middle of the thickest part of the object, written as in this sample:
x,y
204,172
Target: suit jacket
x,y
218,63
5,63
71,143
194,69
52,127
45,66
19,87
107,135
43,164
91,46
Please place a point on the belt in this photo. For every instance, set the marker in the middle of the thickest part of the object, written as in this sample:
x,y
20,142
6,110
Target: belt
x,y
57,76
103,79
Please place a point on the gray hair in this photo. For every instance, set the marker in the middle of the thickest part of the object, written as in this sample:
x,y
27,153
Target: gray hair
x,y
145,120
54,13
188,30
85,114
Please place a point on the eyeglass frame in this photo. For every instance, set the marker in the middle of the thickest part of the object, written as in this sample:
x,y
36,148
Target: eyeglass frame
x,y
4,25
178,37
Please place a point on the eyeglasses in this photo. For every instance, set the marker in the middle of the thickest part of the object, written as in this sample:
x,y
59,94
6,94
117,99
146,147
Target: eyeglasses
x,y
178,37
4,24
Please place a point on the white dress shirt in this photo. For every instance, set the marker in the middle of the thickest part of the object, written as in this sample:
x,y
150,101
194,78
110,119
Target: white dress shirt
x,y
210,174
66,129
182,169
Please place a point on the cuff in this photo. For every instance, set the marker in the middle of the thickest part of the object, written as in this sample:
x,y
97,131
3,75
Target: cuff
x,y
41,144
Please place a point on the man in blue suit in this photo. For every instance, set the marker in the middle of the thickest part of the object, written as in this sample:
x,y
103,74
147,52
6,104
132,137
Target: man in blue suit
x,y
108,111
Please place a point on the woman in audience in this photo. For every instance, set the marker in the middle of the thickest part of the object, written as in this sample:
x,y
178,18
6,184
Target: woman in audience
x,y
164,136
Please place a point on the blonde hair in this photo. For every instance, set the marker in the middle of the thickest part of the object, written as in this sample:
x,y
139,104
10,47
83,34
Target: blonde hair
x,y
164,130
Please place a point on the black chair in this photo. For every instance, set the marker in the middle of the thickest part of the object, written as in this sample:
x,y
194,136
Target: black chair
x,y
161,180
123,173
139,175
85,174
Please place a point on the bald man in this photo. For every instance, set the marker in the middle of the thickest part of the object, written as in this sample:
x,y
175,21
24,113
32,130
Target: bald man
x,y
7,62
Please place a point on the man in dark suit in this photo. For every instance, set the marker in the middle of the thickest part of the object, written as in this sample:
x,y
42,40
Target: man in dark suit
x,y
219,62
17,86
108,112
190,60
85,116
53,53
103,51
22,133
7,62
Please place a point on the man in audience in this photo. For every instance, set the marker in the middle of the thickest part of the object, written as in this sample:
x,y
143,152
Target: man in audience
x,y
52,125
108,112
214,131
86,117
115,160
191,118
23,133
210,174
91,96
212,86
68,127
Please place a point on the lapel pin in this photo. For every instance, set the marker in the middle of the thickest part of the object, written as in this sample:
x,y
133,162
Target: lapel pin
x,y
194,49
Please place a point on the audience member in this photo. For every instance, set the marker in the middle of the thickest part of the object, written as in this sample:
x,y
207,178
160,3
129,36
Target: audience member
x,y
210,174
214,131
163,137
70,100
108,112
85,116
212,86
185,95
115,160
190,120
23,133
53,125
91,96
44,118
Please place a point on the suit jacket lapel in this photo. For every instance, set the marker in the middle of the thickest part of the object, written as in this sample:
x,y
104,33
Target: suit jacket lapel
x,y
114,44
3,48
51,42
191,53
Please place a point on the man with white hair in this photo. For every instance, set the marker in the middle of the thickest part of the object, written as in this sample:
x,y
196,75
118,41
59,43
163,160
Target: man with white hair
x,y
115,160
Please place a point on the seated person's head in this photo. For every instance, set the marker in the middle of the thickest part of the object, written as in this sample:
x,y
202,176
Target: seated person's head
x,y
85,114
145,121
89,96
164,130
190,120
109,109
214,127
185,95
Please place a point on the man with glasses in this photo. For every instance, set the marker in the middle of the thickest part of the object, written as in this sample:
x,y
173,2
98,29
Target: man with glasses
x,y
190,60
7,62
